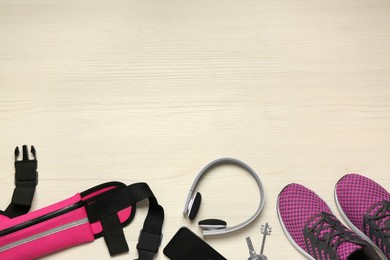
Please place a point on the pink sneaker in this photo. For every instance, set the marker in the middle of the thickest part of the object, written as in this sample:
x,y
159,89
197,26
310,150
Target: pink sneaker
x,y
311,227
365,206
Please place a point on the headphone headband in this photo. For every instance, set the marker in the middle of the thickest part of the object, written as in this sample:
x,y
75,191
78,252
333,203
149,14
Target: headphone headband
x,y
240,164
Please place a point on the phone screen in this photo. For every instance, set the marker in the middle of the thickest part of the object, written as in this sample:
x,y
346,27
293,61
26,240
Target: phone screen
x,y
185,245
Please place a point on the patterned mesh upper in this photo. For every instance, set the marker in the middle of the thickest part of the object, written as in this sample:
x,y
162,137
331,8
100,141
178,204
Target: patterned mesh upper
x,y
356,194
298,207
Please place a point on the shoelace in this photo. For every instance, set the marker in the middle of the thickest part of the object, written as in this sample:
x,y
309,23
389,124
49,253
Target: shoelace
x,y
330,230
377,225
380,214
325,232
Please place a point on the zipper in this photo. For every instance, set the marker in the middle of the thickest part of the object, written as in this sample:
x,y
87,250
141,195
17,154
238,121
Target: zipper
x,y
41,219
44,234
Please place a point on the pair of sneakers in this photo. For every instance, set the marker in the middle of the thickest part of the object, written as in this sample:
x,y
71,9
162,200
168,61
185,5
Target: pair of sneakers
x,y
312,228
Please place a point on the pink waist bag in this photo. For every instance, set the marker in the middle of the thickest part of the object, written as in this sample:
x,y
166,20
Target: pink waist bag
x,y
100,211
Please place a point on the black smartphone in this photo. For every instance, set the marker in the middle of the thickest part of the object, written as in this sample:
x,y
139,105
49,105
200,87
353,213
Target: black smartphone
x,y
185,245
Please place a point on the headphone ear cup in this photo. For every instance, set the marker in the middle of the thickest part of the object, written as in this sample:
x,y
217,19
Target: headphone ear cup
x,y
212,224
194,206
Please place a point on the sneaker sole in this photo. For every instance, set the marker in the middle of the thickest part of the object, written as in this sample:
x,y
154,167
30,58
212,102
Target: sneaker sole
x,y
355,229
300,249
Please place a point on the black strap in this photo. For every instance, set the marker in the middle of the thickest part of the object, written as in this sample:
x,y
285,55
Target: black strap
x,y
150,236
113,235
106,208
26,179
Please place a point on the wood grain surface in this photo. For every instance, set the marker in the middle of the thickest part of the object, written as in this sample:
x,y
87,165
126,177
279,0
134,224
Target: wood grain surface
x,y
154,90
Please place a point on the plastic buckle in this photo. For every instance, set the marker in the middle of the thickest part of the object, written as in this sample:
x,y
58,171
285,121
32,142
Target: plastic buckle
x,y
26,174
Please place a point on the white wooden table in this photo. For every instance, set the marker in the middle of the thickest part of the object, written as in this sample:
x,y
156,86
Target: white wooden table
x,y
154,90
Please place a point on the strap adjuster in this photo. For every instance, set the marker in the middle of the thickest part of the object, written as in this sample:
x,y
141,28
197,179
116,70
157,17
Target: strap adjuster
x,y
149,242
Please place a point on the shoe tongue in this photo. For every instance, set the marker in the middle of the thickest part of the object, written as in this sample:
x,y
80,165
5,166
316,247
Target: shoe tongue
x,y
345,249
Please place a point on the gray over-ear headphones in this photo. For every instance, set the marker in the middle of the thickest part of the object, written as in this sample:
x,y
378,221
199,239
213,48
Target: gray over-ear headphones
x,y
216,226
